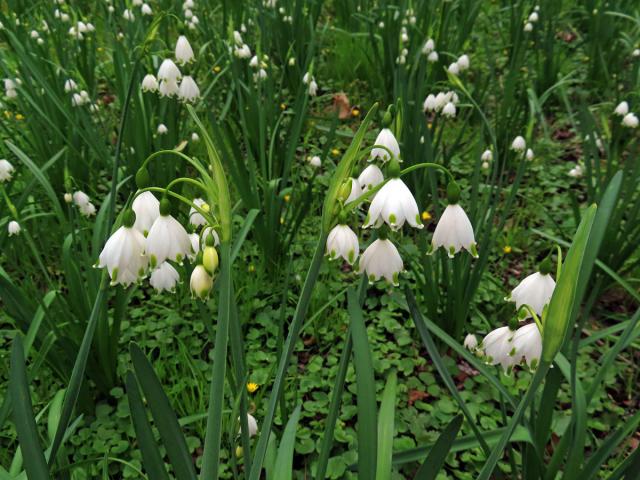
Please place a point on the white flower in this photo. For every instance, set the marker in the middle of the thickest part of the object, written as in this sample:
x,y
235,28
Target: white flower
x,y
498,347
167,240
529,155
147,208
169,71
146,9
149,83
87,209
355,192
194,238
622,109
6,169
487,156
252,425
136,3
440,101
260,74
381,260
13,228
123,255
630,120
254,62
527,343
165,277
189,91
432,57
70,85
313,88
370,177
528,27
242,52
306,78
80,198
449,110
315,161
342,242
68,198
168,88
535,291
463,62
518,144
387,139
429,104
237,38
200,282
195,218
128,15
162,129
485,165
470,342
576,172
195,137
188,14
533,18
454,232
428,46
184,52
454,68
636,53
393,204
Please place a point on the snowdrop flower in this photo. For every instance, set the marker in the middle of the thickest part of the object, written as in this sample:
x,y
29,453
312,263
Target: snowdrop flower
x,y
622,109
428,46
387,139
355,192
485,165
404,36
146,9
454,68
630,120
237,38
454,232
34,34
636,53
534,291
533,18
381,260
194,238
188,4
306,78
432,57
149,83
123,254
449,110
254,62
13,228
195,218
498,347
184,52
576,172
165,277
242,52
315,161
463,62
394,204
70,85
188,14
162,129
147,209
201,282
136,3
9,84
470,342
168,88
313,88
429,104
528,27
168,71
529,155
527,343
87,209
128,15
370,178
487,156
252,425
342,242
440,101
189,91
80,198
167,239
6,169
518,144
260,74
195,137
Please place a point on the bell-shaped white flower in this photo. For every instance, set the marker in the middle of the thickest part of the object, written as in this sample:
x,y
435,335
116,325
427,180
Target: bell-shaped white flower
x,y
454,230
394,204
498,348
343,242
432,57
315,161
147,209
162,129
429,104
184,52
201,282
167,238
528,27
381,260
123,254
252,425
189,91
70,85
527,343
622,109
168,71
387,139
370,177
535,291
6,170
242,52
533,18
168,88
313,88
576,172
454,68
13,228
487,156
254,62
146,9
87,209
128,15
428,46
630,120
529,155
470,342
164,278
149,83
195,218
518,144
449,110
463,62
355,192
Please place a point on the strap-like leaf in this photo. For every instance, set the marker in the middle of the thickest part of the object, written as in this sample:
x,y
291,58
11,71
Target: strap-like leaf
x,y
438,454
284,461
386,420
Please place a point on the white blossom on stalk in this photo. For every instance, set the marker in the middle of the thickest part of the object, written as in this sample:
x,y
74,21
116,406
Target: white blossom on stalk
x,y
470,342
533,18
497,347
254,62
432,57
237,38
394,204
630,120
487,156
355,192
68,198
636,53
83,203
195,137
342,242
6,170
430,103
201,282
313,88
168,88
518,144
162,129
454,230
428,46
128,15
13,228
168,71
146,9
183,52
387,139
194,238
123,254
576,172
70,85
149,83
315,161
454,68
147,208
167,238
189,91
165,277
370,177
528,27
381,260
252,425
529,155
463,62
195,218
535,291
242,52
622,109
527,343
449,110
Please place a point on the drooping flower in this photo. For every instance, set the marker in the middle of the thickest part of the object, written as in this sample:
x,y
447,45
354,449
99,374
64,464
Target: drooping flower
x,y
518,144
342,242
6,170
315,161
576,172
429,104
449,110
149,83
498,348
529,155
487,156
168,71
533,18
527,343
168,88
147,208
252,425
183,52
146,9
189,91
630,120
165,277
454,230
432,57
167,238
83,203
355,192
535,291
622,109
162,129
123,254
370,177
528,27
201,282
13,228
454,68
313,88
387,139
394,204
470,342
428,46
381,260
463,62
70,85
195,218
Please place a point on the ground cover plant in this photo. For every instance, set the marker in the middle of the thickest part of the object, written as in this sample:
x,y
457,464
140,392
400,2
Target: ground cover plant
x,y
290,239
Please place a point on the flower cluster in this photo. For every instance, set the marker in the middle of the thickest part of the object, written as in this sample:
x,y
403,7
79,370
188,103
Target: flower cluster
x,y
428,49
240,49
533,18
629,119
459,65
10,87
310,81
83,202
445,103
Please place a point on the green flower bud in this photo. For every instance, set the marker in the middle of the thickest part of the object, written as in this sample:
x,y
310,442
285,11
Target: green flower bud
x,y
143,180
393,170
128,218
453,192
210,259
165,206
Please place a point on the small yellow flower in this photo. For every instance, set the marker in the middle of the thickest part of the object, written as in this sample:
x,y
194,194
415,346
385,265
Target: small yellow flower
x,y
7,113
281,220
335,152
205,207
19,116
429,125
239,451
252,387
283,106
426,216
287,197
507,249
252,268
217,69
355,112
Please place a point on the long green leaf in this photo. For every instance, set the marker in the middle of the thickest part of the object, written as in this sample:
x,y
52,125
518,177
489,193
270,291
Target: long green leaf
x,y
386,423
284,461
438,454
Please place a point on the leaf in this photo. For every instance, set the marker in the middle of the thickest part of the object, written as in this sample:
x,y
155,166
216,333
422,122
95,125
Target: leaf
x,y
386,428
284,461
438,454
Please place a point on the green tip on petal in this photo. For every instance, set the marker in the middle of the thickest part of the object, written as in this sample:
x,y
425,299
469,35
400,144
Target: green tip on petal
x,y
351,256
452,251
114,275
392,219
474,250
153,261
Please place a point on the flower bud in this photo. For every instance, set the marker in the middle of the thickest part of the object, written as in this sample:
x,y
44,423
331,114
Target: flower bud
x,y
453,192
201,282
142,178
210,257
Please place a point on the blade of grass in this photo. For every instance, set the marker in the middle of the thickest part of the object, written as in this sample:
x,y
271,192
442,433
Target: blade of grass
x,y
386,423
438,453
283,469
